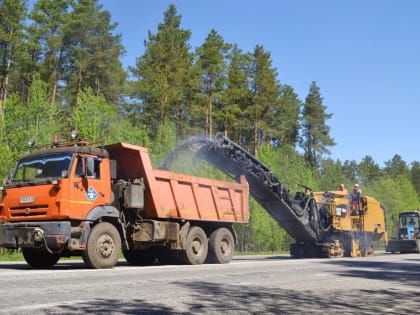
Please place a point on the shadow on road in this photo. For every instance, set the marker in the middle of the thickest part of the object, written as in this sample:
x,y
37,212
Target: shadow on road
x,y
203,297
63,264
405,271
215,298
212,298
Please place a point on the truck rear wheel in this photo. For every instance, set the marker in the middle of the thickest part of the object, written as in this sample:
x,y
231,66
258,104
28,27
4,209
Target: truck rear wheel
x,y
196,246
103,246
221,246
39,258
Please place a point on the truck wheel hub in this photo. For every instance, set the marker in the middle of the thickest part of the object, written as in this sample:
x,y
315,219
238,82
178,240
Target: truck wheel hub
x,y
105,246
196,246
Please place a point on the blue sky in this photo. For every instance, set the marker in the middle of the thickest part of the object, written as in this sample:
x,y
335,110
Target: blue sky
x,y
364,56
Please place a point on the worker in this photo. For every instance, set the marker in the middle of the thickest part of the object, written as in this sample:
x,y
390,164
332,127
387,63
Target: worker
x,y
412,222
342,189
355,199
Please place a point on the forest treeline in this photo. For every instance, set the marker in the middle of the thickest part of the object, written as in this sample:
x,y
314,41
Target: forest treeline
x,y
61,69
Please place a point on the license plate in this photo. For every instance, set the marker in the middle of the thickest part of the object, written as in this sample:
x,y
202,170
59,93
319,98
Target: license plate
x,y
27,199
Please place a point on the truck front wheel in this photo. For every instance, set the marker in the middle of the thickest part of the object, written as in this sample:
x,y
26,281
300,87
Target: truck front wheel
x,y
103,246
221,246
39,257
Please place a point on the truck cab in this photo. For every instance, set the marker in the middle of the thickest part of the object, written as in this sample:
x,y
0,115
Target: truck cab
x,y
51,200
408,225
58,183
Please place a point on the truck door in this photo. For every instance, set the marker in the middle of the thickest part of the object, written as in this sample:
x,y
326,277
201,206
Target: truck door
x,y
89,187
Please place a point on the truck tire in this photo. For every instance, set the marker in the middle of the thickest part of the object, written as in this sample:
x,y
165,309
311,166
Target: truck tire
x,y
221,246
39,258
103,246
195,247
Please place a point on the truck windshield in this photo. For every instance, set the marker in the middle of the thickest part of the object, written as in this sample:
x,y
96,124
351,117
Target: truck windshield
x,y
42,167
409,220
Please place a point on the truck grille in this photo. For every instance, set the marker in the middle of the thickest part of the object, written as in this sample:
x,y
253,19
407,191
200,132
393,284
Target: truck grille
x,y
32,211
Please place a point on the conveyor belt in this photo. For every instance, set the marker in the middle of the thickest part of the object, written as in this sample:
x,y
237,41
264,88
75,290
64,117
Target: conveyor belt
x,y
299,217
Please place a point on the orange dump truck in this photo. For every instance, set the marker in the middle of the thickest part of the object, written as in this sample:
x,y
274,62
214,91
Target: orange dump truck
x,y
74,199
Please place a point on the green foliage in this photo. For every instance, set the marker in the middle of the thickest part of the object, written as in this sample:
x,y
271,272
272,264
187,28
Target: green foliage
x,y
61,69
395,195
46,39
164,77
332,175
351,171
396,167
369,171
265,90
164,140
415,176
265,234
34,120
12,50
10,255
315,132
95,53
289,167
232,112
92,117
212,67
284,126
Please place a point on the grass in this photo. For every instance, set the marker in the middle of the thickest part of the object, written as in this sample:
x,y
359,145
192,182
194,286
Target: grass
x,y
16,255
11,255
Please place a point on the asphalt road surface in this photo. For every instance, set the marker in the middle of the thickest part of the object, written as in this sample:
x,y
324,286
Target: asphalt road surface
x,y
382,284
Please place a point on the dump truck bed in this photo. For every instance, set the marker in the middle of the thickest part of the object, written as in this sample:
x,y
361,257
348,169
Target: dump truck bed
x,y
170,195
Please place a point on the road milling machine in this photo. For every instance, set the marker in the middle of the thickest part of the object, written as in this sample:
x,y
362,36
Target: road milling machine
x,y
321,223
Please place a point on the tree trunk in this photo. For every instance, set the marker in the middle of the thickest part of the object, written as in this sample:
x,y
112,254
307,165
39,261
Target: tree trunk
x,y
54,93
79,85
226,125
5,88
256,137
210,119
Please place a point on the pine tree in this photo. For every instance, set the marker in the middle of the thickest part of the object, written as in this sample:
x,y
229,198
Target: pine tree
x,y
351,171
315,132
211,62
236,96
264,94
12,15
369,171
396,166
164,76
95,52
46,38
285,125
